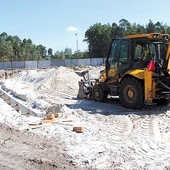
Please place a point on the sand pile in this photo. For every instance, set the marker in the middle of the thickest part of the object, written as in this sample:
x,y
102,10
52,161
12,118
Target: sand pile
x,y
42,89
33,82
61,79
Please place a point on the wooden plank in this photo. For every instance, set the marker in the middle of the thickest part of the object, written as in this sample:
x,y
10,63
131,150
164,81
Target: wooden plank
x,y
6,98
40,125
12,105
25,113
67,120
50,122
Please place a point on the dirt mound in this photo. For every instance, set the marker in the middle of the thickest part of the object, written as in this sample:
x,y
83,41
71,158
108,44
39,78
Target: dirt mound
x,y
32,82
61,79
21,151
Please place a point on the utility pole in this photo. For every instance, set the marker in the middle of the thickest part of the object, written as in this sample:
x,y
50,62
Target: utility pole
x,y
77,42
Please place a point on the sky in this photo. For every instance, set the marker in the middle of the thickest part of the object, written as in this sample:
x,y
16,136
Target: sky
x,y
58,24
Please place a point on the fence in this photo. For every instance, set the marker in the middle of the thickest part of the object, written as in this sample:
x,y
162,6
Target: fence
x,y
52,63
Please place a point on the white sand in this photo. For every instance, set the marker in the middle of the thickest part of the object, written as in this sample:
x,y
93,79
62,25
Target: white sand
x,y
114,137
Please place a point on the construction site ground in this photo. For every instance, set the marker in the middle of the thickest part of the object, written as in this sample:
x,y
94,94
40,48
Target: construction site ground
x,y
113,137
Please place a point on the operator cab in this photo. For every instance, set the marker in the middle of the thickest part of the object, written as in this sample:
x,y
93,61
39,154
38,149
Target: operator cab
x,y
118,60
135,52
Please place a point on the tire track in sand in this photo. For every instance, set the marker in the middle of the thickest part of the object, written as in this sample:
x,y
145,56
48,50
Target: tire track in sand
x,y
121,129
150,138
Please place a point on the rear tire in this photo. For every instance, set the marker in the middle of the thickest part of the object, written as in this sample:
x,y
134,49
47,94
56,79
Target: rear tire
x,y
98,93
131,93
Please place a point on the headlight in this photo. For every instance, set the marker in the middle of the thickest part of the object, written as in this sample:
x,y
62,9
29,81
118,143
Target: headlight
x,y
156,35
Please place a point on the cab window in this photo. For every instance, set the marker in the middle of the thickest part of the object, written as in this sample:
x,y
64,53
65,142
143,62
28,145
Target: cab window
x,y
119,53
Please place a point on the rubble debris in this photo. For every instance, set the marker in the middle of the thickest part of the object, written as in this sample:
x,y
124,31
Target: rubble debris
x,y
50,116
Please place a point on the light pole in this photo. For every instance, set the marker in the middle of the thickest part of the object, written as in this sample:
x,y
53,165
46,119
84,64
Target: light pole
x,y
77,42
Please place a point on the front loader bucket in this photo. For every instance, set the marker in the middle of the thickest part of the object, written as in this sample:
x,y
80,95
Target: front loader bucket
x,y
85,85
83,91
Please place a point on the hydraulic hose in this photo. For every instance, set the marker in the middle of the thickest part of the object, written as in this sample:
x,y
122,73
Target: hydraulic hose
x,y
165,86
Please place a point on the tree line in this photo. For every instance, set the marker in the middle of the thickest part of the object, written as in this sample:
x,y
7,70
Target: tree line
x,y
12,48
98,37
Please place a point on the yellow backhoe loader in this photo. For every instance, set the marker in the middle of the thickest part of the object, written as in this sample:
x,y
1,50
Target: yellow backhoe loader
x,y
137,70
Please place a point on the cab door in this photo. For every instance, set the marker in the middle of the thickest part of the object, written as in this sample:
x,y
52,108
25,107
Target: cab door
x,y
118,61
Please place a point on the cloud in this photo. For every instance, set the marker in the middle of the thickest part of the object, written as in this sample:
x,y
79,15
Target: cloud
x,y
71,29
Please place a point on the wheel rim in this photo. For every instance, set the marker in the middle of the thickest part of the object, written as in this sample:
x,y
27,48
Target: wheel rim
x,y
129,94
96,94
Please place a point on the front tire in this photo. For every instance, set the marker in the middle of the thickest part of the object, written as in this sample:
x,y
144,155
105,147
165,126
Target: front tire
x,y
98,93
131,93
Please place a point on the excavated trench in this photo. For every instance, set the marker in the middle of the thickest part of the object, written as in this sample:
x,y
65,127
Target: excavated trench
x,y
19,107
17,102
